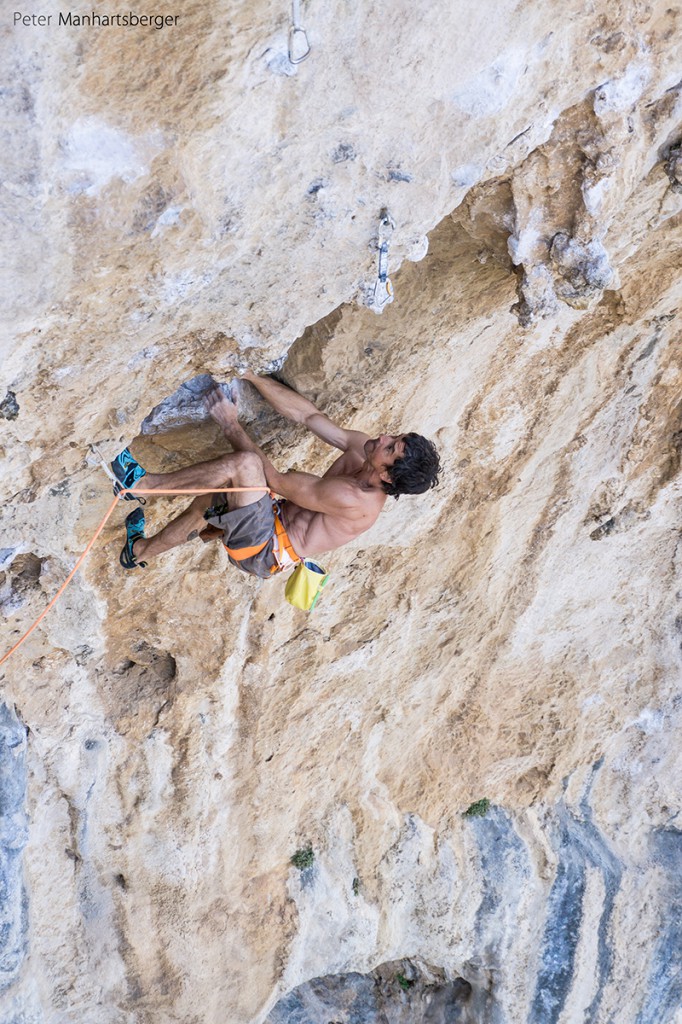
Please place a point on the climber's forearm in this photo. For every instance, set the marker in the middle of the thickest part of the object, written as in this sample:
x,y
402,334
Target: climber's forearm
x,y
282,399
241,442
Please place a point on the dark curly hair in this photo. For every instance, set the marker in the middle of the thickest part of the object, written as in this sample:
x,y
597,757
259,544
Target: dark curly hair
x,y
416,471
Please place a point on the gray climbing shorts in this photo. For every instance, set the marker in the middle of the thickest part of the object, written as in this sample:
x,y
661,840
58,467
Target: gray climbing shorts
x,y
247,527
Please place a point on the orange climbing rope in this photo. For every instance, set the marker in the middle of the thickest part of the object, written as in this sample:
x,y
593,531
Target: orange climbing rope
x,y
119,497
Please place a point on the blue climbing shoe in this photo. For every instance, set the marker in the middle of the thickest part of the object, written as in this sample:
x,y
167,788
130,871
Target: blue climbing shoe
x,y
134,530
127,471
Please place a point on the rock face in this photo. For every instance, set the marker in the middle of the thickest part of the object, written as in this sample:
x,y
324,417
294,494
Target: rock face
x,y
13,835
185,201
396,993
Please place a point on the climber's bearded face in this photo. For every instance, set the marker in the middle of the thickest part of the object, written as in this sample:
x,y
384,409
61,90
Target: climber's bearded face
x,y
381,452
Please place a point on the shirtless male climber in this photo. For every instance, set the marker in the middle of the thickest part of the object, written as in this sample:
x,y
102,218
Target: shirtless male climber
x,y
317,513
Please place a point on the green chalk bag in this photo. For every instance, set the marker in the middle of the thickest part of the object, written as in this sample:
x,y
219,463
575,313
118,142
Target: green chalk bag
x,y
304,586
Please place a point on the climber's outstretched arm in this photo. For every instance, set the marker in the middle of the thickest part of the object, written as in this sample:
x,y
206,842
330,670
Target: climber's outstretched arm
x,y
297,408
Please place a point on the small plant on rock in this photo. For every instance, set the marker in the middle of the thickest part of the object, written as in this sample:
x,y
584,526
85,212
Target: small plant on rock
x,y
303,858
478,809
405,983
356,886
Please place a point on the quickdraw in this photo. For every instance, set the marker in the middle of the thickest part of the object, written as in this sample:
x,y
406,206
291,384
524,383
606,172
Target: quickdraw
x,y
383,289
299,47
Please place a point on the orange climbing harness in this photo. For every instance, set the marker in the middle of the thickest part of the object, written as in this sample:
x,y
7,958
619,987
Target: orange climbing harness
x,y
284,553
119,497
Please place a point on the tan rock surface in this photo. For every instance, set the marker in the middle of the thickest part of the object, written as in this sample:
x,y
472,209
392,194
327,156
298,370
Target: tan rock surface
x,y
186,201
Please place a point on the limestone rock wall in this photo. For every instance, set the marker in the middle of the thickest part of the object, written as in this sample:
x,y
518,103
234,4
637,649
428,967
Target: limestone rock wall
x,y
188,202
